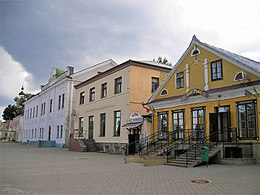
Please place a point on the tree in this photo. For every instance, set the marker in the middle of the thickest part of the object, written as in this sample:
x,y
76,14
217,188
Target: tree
x,y
12,111
163,61
20,100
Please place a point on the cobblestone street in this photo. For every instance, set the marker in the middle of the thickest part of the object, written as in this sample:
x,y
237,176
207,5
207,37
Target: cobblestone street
x,y
30,170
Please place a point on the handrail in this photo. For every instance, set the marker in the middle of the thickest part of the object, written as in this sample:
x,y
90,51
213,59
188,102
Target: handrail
x,y
206,140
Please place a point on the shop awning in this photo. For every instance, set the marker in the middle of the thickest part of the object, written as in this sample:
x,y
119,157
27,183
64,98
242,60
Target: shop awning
x,y
132,125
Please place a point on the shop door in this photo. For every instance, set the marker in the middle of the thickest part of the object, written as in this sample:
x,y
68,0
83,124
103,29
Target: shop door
x,y
224,124
213,120
133,141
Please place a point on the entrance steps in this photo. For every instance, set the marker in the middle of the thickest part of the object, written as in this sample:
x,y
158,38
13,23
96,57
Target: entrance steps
x,y
82,145
189,159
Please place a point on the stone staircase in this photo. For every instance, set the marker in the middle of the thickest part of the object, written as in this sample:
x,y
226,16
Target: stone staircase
x,y
90,145
192,157
82,145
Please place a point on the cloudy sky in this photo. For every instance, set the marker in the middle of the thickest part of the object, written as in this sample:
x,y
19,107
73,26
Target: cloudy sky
x,y
37,35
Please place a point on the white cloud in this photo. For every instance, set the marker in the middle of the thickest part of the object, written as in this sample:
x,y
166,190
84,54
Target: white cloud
x,y
13,75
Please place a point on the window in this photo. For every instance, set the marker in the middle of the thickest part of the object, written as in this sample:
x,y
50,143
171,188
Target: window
x,y
155,83
82,98
90,127
247,120
162,125
61,131
33,112
117,123
198,122
178,124
81,120
58,131
59,104
102,124
30,112
44,106
216,70
35,133
164,92
118,85
104,90
41,109
92,94
179,80
63,100
50,105
36,111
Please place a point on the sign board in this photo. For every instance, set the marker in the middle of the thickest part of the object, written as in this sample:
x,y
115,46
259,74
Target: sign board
x,y
135,117
194,92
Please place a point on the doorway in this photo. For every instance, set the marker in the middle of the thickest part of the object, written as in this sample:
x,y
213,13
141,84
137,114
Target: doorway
x,y
49,135
220,124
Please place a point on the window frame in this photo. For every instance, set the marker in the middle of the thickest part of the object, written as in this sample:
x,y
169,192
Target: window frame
x,y
179,80
81,124
201,127
155,85
92,94
179,120
82,96
103,90
117,129
161,125
118,85
247,121
216,70
102,132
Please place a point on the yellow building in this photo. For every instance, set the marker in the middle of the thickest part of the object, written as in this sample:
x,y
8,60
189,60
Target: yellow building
x,y
212,95
104,103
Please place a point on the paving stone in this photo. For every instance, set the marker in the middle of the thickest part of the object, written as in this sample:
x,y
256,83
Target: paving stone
x,y
30,170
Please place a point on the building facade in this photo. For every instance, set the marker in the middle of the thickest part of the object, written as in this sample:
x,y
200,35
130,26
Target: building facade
x,y
213,94
48,116
104,102
17,127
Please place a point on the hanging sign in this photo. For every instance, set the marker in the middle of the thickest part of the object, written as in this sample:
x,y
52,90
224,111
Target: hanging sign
x,y
135,117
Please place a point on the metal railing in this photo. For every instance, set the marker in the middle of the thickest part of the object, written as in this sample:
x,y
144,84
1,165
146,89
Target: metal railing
x,y
158,142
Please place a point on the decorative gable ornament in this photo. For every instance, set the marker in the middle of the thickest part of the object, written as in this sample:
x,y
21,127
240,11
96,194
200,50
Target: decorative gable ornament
x,y
195,52
164,92
240,76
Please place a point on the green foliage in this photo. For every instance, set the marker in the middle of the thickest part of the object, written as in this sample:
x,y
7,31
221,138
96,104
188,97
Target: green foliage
x,y
162,61
12,111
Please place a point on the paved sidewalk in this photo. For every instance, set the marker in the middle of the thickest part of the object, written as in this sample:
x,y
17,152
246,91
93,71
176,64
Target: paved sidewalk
x,y
30,170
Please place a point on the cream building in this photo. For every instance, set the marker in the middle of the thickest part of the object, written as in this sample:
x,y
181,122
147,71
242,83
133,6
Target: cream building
x,y
105,101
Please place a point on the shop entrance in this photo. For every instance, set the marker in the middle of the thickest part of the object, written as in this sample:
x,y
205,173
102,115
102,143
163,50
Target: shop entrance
x,y
220,124
133,142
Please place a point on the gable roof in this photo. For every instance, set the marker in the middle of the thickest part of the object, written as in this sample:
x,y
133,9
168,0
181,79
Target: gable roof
x,y
238,60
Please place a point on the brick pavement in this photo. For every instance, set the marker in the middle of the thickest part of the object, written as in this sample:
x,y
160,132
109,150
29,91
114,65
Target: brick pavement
x,y
30,170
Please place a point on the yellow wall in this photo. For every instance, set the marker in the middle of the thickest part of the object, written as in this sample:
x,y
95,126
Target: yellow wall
x,y
196,74
141,86
210,108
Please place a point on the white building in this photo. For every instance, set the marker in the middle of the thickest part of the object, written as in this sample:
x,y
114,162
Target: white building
x,y
48,116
